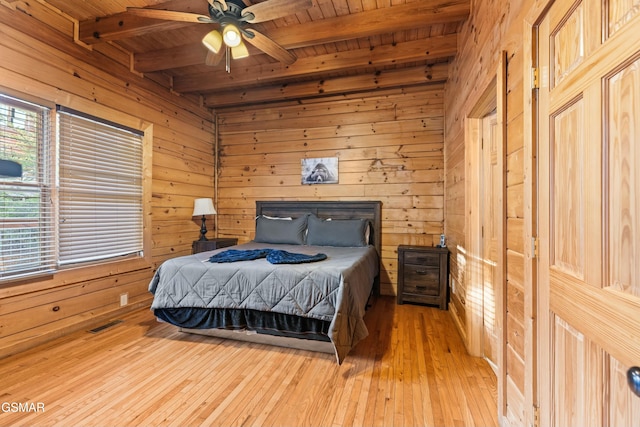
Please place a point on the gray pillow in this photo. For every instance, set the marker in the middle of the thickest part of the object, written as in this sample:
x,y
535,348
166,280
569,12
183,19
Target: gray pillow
x,y
282,231
336,232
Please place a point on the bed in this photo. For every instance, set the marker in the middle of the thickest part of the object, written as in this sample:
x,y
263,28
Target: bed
x,y
303,282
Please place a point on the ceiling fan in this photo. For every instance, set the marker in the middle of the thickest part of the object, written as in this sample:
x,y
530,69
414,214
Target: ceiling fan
x,y
232,18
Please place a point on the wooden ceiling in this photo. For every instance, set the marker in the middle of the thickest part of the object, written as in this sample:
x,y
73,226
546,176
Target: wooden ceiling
x,y
341,46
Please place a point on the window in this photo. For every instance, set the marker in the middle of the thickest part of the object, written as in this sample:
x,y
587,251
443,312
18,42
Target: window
x,y
79,197
27,234
100,189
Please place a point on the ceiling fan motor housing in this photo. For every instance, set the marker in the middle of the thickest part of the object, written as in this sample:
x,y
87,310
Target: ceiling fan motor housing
x,y
233,14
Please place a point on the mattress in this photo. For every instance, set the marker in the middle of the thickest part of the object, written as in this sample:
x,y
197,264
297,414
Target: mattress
x,y
334,291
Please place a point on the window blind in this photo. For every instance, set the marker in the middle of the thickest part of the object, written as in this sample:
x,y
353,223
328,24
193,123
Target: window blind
x,y
27,234
100,189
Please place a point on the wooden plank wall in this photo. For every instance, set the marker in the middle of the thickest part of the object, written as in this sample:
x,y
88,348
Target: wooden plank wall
x,y
492,28
389,145
42,61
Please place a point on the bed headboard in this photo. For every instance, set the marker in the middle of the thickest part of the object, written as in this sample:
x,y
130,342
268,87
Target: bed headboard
x,y
369,210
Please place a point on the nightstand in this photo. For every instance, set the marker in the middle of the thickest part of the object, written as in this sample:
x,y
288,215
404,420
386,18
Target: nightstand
x,y
422,275
211,244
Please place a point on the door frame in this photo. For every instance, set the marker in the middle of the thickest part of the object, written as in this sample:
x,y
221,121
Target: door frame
x,y
537,407
493,97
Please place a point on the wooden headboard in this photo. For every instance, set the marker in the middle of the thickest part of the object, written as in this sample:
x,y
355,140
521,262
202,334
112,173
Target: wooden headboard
x,y
369,210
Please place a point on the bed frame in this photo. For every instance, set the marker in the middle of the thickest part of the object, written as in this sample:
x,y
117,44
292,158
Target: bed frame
x,y
369,210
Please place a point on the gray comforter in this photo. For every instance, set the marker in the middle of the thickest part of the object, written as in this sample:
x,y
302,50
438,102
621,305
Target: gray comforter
x,y
334,290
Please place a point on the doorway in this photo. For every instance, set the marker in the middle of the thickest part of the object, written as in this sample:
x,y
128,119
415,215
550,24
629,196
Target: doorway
x,y
485,263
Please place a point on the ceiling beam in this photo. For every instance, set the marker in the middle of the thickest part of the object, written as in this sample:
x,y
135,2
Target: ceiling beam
x,y
400,53
401,17
363,24
436,73
124,25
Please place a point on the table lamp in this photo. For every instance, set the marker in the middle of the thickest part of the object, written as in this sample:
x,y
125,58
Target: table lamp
x,y
203,207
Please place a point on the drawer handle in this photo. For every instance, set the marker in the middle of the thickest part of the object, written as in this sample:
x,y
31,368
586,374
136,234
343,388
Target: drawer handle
x,y
421,287
422,272
421,259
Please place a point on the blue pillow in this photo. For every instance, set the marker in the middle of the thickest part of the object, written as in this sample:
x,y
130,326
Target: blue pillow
x,y
280,231
337,232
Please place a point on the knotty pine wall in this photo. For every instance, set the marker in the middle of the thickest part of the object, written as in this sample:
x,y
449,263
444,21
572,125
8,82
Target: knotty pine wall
x,y
493,27
42,60
389,145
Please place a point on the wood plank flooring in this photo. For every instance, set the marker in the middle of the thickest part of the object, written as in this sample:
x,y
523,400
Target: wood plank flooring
x,y
412,370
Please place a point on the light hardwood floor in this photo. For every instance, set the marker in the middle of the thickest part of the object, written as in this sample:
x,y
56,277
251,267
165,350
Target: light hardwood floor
x,y
412,370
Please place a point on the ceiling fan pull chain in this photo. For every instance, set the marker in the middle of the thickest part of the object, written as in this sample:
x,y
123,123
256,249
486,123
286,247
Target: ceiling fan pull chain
x,y
227,59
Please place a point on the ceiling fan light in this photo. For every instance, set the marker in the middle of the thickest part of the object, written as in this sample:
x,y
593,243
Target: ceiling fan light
x,y
231,35
240,51
213,41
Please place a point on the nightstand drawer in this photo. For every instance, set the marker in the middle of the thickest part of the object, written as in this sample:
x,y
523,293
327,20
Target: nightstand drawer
x,y
421,258
421,280
427,289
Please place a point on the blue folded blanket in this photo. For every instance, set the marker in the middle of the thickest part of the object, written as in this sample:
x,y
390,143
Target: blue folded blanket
x,y
274,256
233,255
277,256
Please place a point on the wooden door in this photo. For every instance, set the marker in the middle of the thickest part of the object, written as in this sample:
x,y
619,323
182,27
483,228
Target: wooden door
x,y
490,225
588,55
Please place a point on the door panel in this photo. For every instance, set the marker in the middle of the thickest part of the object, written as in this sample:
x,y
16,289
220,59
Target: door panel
x,y
578,368
568,198
588,211
623,105
568,44
621,12
623,406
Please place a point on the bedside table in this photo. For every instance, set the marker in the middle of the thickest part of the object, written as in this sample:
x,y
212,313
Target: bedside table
x,y
211,244
422,275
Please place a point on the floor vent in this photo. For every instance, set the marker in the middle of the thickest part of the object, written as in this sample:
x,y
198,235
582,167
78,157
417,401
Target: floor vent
x,y
105,326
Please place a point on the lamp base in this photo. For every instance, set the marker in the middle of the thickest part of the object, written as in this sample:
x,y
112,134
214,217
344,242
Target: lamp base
x,y
203,231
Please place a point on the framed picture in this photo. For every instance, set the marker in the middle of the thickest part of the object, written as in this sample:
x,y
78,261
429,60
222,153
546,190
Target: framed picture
x,y
320,170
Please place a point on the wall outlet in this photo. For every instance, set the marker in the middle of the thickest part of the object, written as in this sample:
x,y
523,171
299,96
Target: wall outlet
x,y
124,299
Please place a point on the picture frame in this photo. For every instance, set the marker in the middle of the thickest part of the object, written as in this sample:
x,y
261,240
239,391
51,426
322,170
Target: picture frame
x,y
321,170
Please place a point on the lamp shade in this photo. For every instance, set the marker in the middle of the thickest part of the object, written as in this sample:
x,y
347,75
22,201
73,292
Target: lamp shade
x,y
203,207
213,41
239,51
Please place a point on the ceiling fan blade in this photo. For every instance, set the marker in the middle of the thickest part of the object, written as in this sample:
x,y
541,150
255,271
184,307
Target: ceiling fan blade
x,y
273,9
269,47
214,59
223,4
169,15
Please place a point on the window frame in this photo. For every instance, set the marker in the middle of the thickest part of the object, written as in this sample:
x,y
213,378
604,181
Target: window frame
x,y
39,187
74,273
